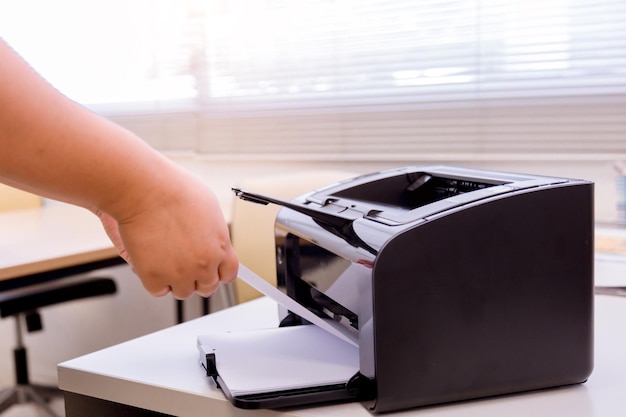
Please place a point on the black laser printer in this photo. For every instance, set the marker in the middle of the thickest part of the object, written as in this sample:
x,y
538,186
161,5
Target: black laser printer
x,y
456,284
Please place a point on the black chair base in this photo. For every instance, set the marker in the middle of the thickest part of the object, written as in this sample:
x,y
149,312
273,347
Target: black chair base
x,y
39,395
23,304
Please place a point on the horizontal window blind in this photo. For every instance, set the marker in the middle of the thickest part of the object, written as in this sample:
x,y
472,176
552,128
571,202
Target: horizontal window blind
x,y
366,79
391,52
377,79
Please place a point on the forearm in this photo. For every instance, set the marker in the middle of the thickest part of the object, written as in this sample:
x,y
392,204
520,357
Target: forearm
x,y
165,222
52,146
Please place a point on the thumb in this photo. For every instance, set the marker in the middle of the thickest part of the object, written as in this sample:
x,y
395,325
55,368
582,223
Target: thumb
x,y
112,230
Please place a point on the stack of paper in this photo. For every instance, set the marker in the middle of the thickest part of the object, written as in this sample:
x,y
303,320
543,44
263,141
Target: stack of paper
x,y
283,358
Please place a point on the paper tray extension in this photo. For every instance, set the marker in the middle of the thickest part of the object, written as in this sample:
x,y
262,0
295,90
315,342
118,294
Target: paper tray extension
x,y
281,367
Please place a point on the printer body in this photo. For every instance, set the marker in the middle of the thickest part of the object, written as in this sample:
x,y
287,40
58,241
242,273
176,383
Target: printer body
x,y
457,283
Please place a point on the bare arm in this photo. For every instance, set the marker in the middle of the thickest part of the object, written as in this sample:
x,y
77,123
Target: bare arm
x,y
165,222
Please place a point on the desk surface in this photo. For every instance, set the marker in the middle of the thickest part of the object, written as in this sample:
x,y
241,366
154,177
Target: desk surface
x,y
53,237
161,372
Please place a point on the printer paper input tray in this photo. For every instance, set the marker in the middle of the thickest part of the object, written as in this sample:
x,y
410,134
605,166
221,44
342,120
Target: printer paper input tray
x,y
280,367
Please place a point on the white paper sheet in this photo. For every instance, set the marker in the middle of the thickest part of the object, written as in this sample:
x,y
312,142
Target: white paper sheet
x,y
269,290
282,358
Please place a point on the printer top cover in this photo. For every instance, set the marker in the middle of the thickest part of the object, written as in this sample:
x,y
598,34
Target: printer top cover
x,y
455,284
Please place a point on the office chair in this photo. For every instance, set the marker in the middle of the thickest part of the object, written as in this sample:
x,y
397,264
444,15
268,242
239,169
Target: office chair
x,y
24,303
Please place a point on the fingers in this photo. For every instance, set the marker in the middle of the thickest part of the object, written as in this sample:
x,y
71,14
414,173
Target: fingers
x,y
169,249
111,228
206,289
228,269
183,286
159,293
226,272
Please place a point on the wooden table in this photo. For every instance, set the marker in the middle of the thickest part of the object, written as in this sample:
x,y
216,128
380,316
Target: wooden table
x,y
51,242
58,241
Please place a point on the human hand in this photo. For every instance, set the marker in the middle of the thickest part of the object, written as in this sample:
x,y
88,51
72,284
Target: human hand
x,y
164,221
176,242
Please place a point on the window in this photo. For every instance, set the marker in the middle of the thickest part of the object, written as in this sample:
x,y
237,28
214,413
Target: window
x,y
360,79
377,52
113,53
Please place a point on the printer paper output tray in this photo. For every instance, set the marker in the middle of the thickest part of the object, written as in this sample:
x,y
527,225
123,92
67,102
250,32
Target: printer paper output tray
x,y
280,367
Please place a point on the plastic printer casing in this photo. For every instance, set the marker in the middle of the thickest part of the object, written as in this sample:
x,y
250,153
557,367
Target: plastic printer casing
x,y
459,283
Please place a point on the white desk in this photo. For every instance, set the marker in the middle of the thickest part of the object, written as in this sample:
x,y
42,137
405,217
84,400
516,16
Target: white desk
x,y
161,372
51,242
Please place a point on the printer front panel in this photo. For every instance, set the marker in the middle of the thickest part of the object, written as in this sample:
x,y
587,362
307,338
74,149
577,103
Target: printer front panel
x,y
331,278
